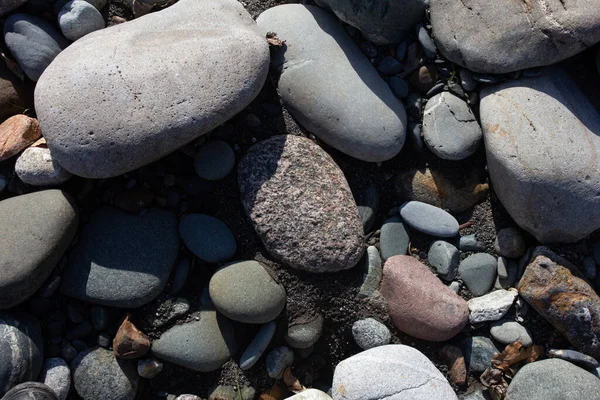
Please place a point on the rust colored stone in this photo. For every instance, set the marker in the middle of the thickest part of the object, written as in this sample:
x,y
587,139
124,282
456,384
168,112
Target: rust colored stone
x,y
455,361
129,342
424,78
558,292
16,134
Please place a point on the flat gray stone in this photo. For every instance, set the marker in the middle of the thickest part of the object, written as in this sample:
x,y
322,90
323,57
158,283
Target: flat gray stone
x,y
478,351
245,292
300,204
257,347
305,335
207,237
492,306
122,259
35,166
374,374
393,239
327,83
369,333
444,257
450,129
21,349
553,379
97,374
381,21
478,272
32,242
111,103
33,42
542,143
77,18
511,35
429,219
57,376
507,332
202,345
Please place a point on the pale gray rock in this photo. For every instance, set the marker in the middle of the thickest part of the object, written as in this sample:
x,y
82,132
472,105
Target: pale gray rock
x,y
507,332
77,18
35,166
310,394
57,376
393,371
492,306
111,103
374,272
327,83
478,272
450,129
542,143
506,36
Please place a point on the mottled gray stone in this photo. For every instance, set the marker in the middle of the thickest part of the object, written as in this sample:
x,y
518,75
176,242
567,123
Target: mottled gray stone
x,y
21,349
57,376
77,18
327,83
111,103
369,333
33,42
36,230
429,219
506,332
305,335
553,379
300,205
444,257
478,272
257,347
35,166
245,292
97,374
122,259
393,239
478,351
202,345
394,371
542,143
450,129
207,237
507,36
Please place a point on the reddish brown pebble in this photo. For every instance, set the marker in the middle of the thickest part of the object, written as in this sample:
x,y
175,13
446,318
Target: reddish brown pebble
x,y
424,79
457,369
130,343
419,303
134,200
16,134
555,289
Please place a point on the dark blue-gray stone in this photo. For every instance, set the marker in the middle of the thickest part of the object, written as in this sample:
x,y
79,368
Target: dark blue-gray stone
x,y
575,357
478,352
214,160
393,239
207,237
414,136
427,43
180,274
429,219
258,345
478,272
122,259
401,50
466,80
444,257
399,87
389,66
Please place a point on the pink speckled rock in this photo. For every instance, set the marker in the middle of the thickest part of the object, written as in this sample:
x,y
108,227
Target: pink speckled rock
x,y
419,303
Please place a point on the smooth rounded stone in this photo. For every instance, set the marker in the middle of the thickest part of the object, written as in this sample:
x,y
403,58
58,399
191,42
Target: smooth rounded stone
x,y
374,272
466,80
278,360
393,239
419,303
257,347
207,237
122,259
429,219
574,357
553,379
399,87
509,36
202,345
300,204
478,272
556,290
393,371
470,243
454,286
450,129
507,332
77,18
327,83
551,189
492,306
36,167
305,335
149,368
32,243
33,42
180,275
478,351
424,78
228,392
444,257
245,291
82,116
97,374
369,333
510,243
368,204
9,5
502,268
21,349
310,394
381,22
16,134
214,160
389,66
426,42
57,376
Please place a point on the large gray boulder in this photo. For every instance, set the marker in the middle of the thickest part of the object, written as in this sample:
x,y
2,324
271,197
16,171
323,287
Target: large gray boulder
x,y
543,151
505,36
35,232
330,86
381,21
125,96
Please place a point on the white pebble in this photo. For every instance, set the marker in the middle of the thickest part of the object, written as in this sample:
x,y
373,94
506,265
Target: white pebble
x,y
492,306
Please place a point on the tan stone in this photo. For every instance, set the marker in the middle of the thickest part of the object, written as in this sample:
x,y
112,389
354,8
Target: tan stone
x,y
16,134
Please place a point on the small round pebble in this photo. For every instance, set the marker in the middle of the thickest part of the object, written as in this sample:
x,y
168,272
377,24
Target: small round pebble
x,y
510,243
56,375
470,243
214,160
393,239
278,360
207,237
369,333
36,167
429,219
455,286
149,368
444,257
505,332
302,336
77,18
478,272
258,345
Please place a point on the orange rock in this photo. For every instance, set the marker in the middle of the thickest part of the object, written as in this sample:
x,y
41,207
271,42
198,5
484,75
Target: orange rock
x,y
457,369
16,134
129,342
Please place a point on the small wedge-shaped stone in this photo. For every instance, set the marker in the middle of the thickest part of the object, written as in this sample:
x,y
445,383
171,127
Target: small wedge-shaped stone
x,y
330,87
130,342
16,133
125,96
